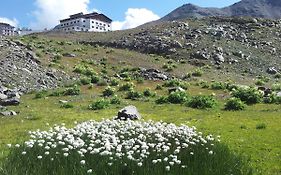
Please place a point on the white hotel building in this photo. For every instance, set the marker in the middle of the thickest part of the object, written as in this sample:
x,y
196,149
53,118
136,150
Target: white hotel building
x,y
93,22
7,29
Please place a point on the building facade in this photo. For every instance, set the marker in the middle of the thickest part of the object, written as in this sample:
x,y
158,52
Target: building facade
x,y
7,29
93,22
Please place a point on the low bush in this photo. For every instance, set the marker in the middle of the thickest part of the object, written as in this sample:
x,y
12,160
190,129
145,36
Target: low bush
x,y
114,82
102,82
161,100
276,87
261,126
109,91
41,94
234,104
197,73
95,79
248,95
148,93
115,100
85,80
202,102
126,87
133,95
218,85
75,90
178,97
99,104
176,83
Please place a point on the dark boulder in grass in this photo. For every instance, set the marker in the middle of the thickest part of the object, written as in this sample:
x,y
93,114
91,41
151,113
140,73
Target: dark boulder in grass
x,y
128,113
10,102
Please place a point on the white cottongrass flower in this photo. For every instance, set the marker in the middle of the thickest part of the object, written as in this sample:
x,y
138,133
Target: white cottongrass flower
x,y
39,157
82,162
89,171
23,153
168,168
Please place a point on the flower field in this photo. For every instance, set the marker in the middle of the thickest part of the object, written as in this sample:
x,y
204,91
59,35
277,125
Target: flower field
x,y
113,147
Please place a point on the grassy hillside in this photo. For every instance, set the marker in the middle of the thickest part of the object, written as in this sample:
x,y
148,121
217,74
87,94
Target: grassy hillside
x,y
252,132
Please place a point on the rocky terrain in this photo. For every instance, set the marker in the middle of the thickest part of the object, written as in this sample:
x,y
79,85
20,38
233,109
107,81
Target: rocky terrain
x,y
237,45
20,68
270,9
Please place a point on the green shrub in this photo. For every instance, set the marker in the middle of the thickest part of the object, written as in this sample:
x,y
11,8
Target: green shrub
x,y
161,100
67,106
234,104
115,100
126,87
72,91
272,98
248,95
175,83
102,82
99,104
148,93
114,82
56,94
260,83
84,70
276,87
95,79
218,85
197,73
85,80
41,94
261,126
158,87
133,95
109,91
178,97
140,80
202,102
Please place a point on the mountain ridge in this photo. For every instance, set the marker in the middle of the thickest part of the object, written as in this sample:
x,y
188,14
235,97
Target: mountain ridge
x,y
270,9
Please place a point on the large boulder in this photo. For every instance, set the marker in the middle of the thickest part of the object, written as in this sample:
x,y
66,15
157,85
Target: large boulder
x,y
3,96
8,113
128,113
10,102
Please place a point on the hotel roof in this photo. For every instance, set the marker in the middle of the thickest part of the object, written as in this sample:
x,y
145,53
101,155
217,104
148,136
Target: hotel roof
x,y
93,15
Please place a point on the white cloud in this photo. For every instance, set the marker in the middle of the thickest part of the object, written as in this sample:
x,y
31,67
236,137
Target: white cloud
x,y
49,12
14,22
134,18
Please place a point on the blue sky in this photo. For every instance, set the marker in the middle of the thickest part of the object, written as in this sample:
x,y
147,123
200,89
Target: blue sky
x,y
33,13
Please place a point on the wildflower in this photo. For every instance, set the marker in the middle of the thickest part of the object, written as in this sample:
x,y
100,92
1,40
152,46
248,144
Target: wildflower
x,y
9,145
17,145
167,168
82,162
23,153
89,171
39,157
140,164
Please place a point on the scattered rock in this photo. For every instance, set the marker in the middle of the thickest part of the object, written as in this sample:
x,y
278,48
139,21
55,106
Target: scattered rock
x,y
10,102
176,89
63,101
128,113
153,74
219,58
8,113
72,55
272,70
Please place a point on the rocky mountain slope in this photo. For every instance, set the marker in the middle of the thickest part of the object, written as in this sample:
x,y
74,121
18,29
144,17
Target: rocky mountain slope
x,y
20,68
245,46
270,9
